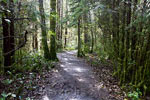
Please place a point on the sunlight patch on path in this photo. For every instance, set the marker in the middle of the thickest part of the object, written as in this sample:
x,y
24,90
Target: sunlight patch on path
x,y
79,69
73,80
45,98
74,99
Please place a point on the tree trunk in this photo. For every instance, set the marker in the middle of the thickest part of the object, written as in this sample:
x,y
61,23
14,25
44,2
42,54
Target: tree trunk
x,y
92,45
92,34
8,41
33,41
58,32
66,32
128,31
86,46
128,23
43,28
36,38
12,32
36,42
6,44
79,39
61,31
117,29
134,35
66,29
52,29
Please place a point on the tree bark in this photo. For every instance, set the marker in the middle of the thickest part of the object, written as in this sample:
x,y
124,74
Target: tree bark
x,y
8,32
12,31
79,39
86,46
61,31
43,28
6,44
66,29
92,45
53,31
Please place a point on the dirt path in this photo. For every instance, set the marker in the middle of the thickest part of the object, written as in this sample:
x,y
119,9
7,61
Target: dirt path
x,y
73,79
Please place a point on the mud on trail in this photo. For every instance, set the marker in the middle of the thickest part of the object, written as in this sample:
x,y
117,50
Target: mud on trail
x,y
74,79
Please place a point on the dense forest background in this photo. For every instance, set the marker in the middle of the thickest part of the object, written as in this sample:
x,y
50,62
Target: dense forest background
x,y
116,31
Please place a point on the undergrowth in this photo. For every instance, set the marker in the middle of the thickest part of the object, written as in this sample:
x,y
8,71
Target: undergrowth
x,y
22,75
132,91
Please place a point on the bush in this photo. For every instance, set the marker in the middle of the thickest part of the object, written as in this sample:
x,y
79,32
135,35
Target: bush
x,y
32,62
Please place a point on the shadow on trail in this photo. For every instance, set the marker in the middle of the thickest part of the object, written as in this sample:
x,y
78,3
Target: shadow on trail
x,y
73,79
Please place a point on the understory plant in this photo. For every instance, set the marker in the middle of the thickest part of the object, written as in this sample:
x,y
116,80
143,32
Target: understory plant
x,y
135,95
22,75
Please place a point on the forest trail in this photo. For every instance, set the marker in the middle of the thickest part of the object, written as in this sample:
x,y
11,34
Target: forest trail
x,y
73,79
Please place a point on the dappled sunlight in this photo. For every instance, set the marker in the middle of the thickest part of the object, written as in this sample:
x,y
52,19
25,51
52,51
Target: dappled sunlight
x,y
56,71
72,52
74,99
79,69
81,79
74,69
62,65
99,86
66,59
69,63
74,73
45,97
66,69
57,74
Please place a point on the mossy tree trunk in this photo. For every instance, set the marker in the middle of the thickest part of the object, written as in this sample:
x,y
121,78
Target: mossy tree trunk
x,y
79,39
92,34
86,36
66,29
43,28
52,29
61,17
92,44
58,25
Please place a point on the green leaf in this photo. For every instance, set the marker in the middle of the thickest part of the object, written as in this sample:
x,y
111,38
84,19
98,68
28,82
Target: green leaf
x,y
2,98
4,95
51,33
15,1
28,98
4,1
145,87
7,82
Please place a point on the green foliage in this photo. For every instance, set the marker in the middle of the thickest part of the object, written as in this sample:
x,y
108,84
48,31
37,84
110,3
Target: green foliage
x,y
7,1
6,95
124,39
135,95
32,62
27,68
86,49
28,98
78,8
51,33
70,48
7,81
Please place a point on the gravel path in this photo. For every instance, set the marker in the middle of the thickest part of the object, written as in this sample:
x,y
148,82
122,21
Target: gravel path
x,y
73,79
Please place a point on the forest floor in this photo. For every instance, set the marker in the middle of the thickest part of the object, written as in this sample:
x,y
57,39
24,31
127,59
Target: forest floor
x,y
75,79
